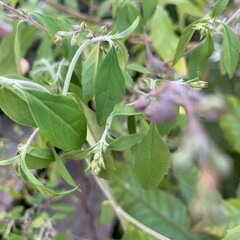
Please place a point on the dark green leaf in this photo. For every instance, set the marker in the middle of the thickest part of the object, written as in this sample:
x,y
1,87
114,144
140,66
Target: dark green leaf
x,y
38,158
17,48
158,210
219,7
127,31
110,166
183,42
198,61
127,20
76,155
110,86
14,105
59,118
152,159
230,50
148,8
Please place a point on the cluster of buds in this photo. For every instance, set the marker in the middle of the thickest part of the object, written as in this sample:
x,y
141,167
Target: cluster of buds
x,y
204,27
97,163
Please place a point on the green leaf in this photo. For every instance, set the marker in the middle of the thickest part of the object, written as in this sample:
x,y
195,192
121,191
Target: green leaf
x,y
90,67
110,86
63,171
152,159
198,60
9,161
138,68
125,142
38,158
219,7
76,155
229,219
14,105
106,213
7,57
126,17
232,233
59,118
158,210
110,166
164,38
124,110
148,8
183,42
128,31
230,50
230,123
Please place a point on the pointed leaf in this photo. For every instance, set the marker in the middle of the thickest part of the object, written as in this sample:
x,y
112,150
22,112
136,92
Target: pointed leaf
x,y
219,7
148,8
17,48
9,161
110,84
183,42
152,159
59,118
230,50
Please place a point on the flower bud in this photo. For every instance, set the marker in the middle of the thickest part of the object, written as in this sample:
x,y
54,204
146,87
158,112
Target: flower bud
x,y
141,103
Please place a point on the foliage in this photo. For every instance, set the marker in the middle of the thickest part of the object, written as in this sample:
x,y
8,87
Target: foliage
x,y
139,101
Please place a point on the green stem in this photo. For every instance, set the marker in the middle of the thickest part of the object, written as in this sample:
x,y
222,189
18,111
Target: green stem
x,y
76,57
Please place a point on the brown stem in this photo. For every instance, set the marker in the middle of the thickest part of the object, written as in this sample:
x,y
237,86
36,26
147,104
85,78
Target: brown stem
x,y
22,15
73,13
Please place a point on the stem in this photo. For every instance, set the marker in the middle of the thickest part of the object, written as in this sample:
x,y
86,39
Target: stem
x,y
21,83
73,13
24,16
77,55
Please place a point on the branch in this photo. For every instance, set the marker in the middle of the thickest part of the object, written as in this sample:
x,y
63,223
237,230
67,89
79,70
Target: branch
x,y
73,13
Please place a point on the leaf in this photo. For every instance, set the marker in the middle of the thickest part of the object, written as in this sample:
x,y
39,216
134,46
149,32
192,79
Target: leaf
x,y
152,159
138,68
148,8
7,56
76,154
232,233
219,7
230,123
38,158
125,142
198,60
14,105
110,166
164,38
106,213
53,25
156,209
124,110
229,219
230,50
128,31
89,71
110,85
183,42
9,161
63,171
59,118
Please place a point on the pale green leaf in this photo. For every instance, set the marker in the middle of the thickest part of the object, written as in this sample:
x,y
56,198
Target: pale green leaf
x,y
230,50
152,159
138,68
17,48
9,161
232,233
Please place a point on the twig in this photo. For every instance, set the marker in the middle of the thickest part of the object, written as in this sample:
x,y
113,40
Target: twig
x,y
22,15
73,13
